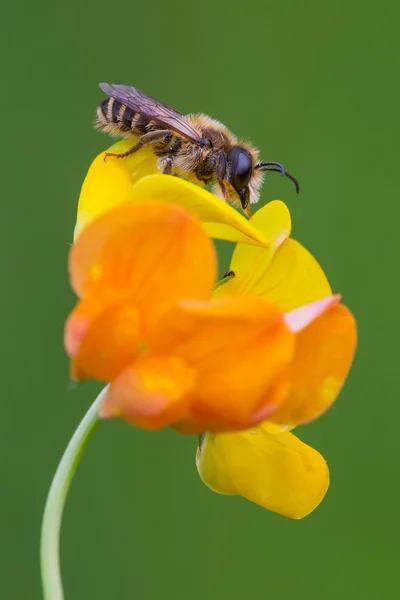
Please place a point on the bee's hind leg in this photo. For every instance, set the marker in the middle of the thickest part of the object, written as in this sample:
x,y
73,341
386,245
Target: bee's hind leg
x,y
161,136
134,148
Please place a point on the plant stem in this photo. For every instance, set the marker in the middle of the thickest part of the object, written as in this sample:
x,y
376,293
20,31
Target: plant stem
x,y
53,512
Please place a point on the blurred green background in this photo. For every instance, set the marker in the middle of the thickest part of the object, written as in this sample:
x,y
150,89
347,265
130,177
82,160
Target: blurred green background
x,y
316,86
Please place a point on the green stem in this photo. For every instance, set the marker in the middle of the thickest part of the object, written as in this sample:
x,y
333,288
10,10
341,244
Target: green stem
x,y
53,512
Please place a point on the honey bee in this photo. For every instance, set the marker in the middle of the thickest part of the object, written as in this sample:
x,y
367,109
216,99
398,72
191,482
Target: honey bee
x,y
195,147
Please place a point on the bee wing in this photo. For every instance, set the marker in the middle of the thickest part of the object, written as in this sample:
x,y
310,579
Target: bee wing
x,y
152,108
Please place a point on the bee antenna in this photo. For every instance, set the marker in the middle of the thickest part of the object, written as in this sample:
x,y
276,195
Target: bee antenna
x,y
272,166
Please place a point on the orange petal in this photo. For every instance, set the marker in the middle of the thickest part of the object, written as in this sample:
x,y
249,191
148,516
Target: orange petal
x,y
102,341
275,470
323,356
152,393
155,254
238,349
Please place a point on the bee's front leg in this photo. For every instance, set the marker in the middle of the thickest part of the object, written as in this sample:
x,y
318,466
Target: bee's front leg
x,y
244,196
221,174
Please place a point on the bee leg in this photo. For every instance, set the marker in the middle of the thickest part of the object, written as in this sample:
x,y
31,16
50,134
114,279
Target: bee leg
x,y
244,196
134,148
221,174
223,190
161,135
165,165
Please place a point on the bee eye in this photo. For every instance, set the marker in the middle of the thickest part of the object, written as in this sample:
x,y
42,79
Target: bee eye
x,y
241,167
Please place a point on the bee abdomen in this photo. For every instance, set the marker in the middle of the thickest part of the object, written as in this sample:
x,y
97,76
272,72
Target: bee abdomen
x,y
114,113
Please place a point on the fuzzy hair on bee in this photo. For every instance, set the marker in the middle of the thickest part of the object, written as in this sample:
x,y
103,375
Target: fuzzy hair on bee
x,y
193,146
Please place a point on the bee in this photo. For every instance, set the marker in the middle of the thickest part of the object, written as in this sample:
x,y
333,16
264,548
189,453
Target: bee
x,y
195,147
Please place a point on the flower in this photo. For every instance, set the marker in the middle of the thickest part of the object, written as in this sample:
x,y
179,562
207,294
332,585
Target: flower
x,y
271,343
267,464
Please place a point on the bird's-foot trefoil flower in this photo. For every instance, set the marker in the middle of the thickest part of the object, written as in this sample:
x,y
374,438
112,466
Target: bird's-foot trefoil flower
x,y
241,363
268,265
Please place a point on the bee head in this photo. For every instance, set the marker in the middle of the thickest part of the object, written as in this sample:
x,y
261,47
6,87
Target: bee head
x,y
240,166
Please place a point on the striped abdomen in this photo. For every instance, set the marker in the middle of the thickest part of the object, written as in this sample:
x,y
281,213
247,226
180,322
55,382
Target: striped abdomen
x,y
116,118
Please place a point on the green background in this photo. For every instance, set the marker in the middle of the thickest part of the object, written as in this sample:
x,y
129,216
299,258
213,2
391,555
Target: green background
x,y
316,86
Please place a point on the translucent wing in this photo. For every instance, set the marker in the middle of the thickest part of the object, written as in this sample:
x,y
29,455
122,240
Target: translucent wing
x,y
152,108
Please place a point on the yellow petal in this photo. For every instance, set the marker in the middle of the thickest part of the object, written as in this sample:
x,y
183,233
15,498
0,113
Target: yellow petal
x,y
221,220
275,470
139,164
289,276
251,263
108,183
